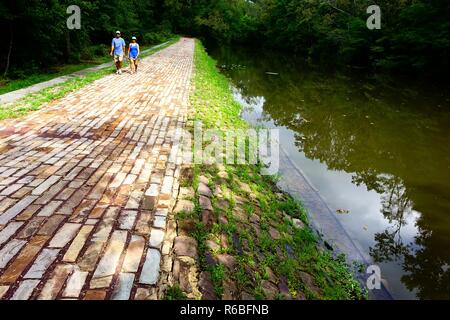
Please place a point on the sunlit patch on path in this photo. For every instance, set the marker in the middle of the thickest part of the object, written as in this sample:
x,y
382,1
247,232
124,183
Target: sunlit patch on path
x,y
87,184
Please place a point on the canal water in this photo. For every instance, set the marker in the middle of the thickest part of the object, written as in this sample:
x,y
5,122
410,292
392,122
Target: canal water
x,y
376,150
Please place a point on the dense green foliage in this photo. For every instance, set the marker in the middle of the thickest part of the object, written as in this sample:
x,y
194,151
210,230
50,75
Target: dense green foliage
x,y
40,37
415,34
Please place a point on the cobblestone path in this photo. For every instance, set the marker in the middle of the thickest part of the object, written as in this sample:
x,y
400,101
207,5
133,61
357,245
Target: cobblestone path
x,y
88,182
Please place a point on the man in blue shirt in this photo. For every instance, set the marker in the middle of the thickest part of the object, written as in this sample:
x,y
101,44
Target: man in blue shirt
x,y
117,51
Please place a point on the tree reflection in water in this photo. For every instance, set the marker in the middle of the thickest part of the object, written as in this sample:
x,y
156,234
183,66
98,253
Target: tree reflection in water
x,y
426,273
395,142
395,207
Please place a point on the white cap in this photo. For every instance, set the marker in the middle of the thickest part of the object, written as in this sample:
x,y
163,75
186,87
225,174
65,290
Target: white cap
x,y
117,32
134,38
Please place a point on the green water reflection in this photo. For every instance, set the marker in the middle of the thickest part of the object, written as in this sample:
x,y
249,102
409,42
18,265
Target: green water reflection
x,y
393,139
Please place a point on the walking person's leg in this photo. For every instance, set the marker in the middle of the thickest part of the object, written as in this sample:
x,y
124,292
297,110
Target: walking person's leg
x,y
119,59
117,63
132,65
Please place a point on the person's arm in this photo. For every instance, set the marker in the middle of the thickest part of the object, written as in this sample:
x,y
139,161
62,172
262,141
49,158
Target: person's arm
x,y
129,49
112,48
139,50
123,46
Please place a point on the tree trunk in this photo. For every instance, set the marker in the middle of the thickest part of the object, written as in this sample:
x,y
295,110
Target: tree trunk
x,y
8,59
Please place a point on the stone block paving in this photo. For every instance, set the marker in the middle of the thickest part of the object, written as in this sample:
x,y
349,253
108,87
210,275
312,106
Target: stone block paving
x,y
87,184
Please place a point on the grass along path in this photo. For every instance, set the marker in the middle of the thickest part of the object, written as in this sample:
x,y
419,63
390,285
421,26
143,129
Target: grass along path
x,y
36,100
254,240
7,85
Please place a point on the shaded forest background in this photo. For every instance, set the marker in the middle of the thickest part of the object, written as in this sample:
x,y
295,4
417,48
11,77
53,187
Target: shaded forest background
x,y
414,38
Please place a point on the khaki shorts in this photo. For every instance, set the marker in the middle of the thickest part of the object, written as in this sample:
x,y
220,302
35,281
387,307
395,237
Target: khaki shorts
x,y
118,58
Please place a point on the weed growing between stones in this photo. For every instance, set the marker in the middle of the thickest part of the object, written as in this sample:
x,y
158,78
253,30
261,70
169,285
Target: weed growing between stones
x,y
175,293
